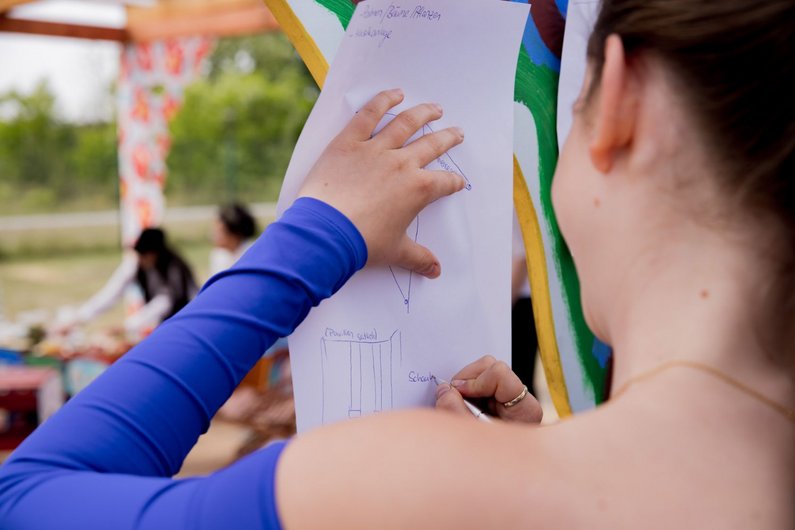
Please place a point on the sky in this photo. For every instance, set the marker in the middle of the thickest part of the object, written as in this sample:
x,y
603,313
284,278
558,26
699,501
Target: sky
x,y
78,71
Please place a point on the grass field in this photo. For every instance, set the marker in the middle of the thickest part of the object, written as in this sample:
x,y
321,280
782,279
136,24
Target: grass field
x,y
51,282
50,267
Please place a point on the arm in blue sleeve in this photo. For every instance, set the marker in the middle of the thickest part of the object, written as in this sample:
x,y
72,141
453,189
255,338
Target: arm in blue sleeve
x,y
106,458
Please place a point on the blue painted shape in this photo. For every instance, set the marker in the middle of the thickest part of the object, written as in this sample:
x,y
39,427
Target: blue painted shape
x,y
563,6
602,352
534,45
537,50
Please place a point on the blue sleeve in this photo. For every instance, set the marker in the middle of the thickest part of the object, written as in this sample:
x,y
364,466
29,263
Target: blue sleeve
x,y
106,458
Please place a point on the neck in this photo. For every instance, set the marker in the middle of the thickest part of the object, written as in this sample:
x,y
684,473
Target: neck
x,y
697,299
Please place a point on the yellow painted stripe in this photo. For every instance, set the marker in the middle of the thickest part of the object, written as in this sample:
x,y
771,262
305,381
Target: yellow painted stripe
x,y
539,283
301,39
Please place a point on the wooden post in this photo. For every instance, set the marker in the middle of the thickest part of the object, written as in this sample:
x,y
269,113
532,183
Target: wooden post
x,y
218,18
54,29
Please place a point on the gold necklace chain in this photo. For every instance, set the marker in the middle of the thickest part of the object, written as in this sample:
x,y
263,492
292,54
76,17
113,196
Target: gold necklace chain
x,y
778,407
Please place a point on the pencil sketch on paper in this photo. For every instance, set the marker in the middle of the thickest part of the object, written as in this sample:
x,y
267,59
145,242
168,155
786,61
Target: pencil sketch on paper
x,y
404,277
443,163
365,386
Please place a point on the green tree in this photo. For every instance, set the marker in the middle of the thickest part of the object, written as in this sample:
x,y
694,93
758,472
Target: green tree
x,y
32,141
232,139
270,55
237,128
93,162
47,163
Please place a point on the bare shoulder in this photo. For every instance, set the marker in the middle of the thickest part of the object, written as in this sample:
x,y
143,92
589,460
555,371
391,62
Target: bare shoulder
x,y
422,468
602,470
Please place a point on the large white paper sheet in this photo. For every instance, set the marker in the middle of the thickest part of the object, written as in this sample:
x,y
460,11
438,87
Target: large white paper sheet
x,y
377,344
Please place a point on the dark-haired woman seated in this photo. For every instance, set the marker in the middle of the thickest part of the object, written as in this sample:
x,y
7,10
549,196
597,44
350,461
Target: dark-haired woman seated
x,y
163,277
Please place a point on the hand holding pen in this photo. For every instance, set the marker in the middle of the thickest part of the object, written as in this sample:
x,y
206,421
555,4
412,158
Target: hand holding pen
x,y
493,382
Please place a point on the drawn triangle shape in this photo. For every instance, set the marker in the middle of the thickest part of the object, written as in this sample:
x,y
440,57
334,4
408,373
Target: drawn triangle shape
x,y
403,277
445,162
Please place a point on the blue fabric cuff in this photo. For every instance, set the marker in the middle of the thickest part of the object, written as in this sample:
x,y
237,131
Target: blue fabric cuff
x,y
336,219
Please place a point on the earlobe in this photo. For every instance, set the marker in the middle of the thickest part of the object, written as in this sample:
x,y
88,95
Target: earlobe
x,y
614,116
600,158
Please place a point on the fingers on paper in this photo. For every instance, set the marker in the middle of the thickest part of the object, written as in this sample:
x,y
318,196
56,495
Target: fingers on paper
x,y
496,380
365,121
476,368
407,124
429,147
417,258
449,399
434,185
490,378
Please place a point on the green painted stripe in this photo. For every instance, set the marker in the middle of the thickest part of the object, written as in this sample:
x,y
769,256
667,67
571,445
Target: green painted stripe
x,y
536,88
343,9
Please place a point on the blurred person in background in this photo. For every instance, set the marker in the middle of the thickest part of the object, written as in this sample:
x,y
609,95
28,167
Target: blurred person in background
x,y
233,233
164,278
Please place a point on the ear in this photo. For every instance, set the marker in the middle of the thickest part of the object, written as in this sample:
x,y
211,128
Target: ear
x,y
615,115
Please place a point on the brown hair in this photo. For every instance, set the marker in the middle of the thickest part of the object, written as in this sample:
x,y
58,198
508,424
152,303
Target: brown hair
x,y
733,66
734,60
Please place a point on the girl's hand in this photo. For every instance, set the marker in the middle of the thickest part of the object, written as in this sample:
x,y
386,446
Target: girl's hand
x,y
493,381
380,185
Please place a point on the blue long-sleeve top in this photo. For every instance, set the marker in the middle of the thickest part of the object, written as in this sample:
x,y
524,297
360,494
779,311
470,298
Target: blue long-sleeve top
x,y
106,459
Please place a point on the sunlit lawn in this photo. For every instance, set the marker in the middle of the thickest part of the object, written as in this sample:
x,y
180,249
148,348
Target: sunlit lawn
x,y
49,283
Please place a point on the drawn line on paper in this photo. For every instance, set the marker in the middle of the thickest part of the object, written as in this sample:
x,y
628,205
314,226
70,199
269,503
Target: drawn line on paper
x,y
427,129
407,293
369,375
452,166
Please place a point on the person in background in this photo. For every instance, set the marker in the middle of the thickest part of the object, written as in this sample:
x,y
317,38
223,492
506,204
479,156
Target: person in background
x,y
233,233
164,278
